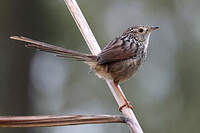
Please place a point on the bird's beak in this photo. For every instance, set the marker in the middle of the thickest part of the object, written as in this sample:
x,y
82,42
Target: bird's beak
x,y
152,28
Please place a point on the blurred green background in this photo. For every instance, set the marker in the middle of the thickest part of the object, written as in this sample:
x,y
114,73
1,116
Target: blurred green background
x,y
165,91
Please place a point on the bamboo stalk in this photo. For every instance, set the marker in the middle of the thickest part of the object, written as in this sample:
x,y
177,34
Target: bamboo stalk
x,y
49,121
81,22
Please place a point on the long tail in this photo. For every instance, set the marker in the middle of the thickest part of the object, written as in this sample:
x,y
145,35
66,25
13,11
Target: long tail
x,y
55,49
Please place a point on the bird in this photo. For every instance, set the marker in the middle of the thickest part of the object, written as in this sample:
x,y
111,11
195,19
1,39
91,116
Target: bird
x,y
118,60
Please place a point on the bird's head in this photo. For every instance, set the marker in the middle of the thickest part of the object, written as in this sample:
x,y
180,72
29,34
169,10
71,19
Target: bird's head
x,y
140,33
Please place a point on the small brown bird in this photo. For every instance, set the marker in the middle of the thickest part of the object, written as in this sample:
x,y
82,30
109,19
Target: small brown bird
x,y
119,59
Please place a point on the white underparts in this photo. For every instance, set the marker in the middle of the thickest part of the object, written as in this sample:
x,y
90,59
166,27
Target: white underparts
x,y
146,43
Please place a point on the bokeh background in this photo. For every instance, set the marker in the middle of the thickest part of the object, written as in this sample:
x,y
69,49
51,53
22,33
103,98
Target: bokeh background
x,y
165,91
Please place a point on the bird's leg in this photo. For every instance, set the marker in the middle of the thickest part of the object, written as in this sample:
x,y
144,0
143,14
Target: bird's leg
x,y
126,103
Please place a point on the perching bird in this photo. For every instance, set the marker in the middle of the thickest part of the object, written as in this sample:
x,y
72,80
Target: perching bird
x,y
119,59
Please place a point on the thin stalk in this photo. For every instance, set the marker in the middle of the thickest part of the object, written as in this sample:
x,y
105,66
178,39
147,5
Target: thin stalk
x,y
86,32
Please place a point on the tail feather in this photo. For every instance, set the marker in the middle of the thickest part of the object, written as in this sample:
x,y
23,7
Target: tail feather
x,y
55,49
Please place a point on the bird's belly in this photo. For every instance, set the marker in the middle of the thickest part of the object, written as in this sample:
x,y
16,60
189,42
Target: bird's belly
x,y
118,71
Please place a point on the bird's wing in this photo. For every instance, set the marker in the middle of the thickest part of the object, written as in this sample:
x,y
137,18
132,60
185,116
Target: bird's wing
x,y
116,50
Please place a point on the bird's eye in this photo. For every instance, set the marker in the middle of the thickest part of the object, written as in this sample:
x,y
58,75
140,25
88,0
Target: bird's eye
x,y
140,30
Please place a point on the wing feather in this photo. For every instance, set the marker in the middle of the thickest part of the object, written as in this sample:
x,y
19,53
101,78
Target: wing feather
x,y
116,50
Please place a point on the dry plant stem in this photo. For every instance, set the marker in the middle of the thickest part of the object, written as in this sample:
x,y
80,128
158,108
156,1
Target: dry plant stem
x,y
83,26
95,49
48,121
